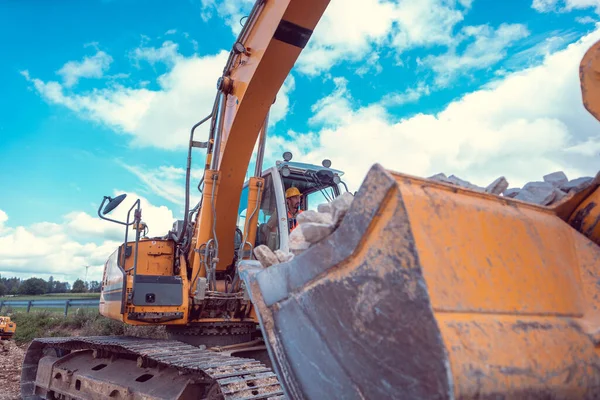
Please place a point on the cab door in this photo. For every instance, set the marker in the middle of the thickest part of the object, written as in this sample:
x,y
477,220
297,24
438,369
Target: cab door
x,y
272,215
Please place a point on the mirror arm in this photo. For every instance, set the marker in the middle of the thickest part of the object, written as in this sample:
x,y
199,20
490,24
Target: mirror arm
x,y
109,219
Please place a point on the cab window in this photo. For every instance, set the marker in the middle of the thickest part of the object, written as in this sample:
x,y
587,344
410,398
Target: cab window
x,y
241,220
313,199
268,223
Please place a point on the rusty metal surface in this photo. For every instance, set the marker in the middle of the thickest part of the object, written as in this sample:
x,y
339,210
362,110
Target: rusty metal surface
x,y
586,219
238,378
516,357
589,78
567,205
431,291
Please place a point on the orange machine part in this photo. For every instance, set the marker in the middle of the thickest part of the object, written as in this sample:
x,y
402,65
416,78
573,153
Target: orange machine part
x,y
427,290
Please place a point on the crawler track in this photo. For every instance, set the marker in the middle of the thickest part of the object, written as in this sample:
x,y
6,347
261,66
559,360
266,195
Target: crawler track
x,y
221,376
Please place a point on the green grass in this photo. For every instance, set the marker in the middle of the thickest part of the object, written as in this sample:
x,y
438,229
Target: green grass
x,y
55,296
37,324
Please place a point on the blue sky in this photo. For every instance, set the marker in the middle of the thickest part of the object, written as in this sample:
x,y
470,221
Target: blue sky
x,y
100,96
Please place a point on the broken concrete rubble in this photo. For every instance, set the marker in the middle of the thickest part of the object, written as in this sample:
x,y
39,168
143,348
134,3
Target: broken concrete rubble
x,y
537,192
554,187
576,184
556,178
312,216
313,226
498,186
266,256
283,257
339,206
512,192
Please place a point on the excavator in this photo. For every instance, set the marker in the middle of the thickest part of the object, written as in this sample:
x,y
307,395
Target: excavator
x,y
424,290
7,328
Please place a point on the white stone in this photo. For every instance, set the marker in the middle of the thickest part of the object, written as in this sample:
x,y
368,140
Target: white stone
x,y
314,232
556,178
537,192
314,216
512,192
558,195
297,241
439,177
325,208
454,180
283,257
576,185
340,206
266,256
498,186
466,184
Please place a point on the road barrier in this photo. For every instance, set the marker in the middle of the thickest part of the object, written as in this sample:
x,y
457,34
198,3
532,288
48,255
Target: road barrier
x,y
55,303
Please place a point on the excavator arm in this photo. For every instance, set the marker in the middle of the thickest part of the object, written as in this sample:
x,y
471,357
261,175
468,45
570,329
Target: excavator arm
x,y
261,59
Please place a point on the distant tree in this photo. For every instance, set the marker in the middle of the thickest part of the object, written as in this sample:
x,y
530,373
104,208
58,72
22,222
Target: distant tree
x,y
51,284
33,286
12,284
95,287
78,286
3,289
61,287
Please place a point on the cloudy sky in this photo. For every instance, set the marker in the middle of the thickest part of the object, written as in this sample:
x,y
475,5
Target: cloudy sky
x,y
99,97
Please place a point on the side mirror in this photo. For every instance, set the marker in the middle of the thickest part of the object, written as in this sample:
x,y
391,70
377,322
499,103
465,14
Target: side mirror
x,y
113,203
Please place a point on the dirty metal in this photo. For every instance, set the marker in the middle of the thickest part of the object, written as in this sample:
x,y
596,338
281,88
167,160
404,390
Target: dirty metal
x,y
586,219
428,291
170,370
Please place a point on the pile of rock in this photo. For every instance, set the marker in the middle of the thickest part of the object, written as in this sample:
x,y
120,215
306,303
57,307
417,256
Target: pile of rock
x,y
496,187
552,189
313,226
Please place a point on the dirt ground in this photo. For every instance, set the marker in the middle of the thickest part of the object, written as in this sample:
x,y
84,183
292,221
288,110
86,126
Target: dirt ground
x,y
11,358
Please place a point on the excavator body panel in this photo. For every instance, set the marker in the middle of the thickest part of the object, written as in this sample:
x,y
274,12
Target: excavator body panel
x,y
428,290
153,294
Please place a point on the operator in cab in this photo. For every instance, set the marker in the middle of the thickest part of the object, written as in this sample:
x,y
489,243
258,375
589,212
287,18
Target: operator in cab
x,y
292,201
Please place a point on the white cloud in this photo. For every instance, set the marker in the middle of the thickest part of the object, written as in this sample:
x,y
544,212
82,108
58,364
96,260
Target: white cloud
x,y
545,6
160,118
355,30
3,219
539,46
62,249
585,20
525,125
427,22
411,95
168,182
232,11
487,48
280,109
90,67
348,30
167,53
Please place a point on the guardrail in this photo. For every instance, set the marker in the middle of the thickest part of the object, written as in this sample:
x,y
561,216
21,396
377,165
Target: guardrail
x,y
58,303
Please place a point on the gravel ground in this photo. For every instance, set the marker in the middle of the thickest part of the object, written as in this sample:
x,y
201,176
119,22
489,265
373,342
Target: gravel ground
x,y
11,358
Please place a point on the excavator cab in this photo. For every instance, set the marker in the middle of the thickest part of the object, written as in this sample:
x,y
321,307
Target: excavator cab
x,y
317,184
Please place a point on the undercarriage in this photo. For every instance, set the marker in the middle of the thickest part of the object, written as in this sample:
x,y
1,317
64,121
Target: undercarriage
x,y
136,368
